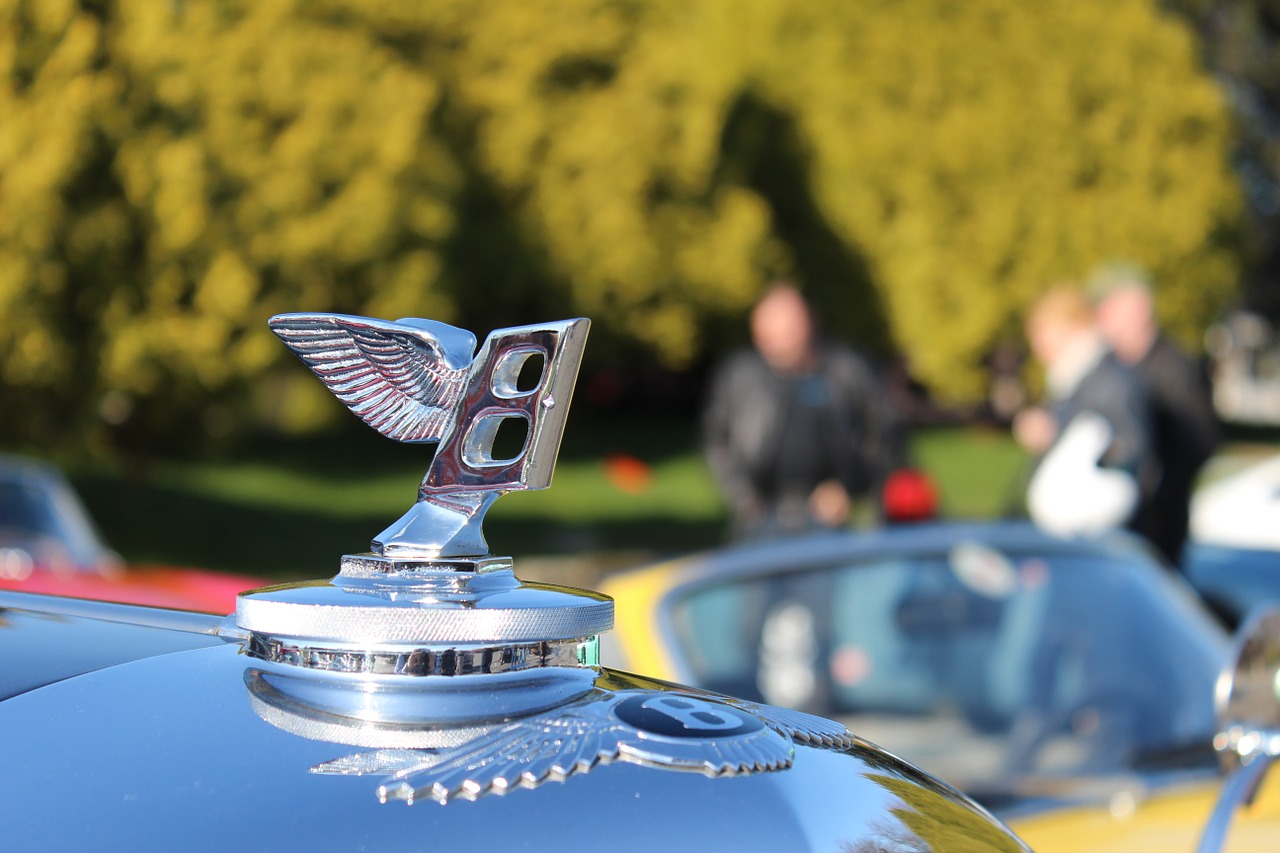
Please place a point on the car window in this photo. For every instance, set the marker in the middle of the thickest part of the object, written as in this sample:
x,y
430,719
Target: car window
x,y
46,517
26,510
978,663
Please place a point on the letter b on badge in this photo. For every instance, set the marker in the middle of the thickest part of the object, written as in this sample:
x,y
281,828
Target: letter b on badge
x,y
685,717
466,459
696,716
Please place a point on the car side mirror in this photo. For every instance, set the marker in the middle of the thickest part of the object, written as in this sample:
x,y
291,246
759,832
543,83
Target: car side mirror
x,y
1247,703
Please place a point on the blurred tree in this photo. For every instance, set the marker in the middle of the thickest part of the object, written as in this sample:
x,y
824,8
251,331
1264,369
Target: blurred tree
x,y
926,166
978,151
1240,42
176,172
170,173
61,214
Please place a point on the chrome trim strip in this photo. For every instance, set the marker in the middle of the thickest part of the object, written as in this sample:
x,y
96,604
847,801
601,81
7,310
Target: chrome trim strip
x,y
131,614
415,662
1237,790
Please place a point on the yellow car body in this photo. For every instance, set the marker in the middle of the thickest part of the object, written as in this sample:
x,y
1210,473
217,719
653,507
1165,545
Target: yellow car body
x,y
1167,822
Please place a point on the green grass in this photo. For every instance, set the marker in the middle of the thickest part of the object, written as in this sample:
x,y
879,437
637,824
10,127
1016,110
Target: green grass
x,y
979,471
290,509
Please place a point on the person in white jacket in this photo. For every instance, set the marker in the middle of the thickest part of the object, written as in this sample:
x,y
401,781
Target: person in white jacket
x,y
1097,464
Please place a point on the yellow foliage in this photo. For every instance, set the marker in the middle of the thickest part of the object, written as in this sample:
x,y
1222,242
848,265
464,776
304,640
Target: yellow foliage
x,y
172,173
969,154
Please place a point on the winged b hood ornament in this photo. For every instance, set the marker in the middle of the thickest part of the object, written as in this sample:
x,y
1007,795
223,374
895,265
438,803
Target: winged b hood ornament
x,y
416,380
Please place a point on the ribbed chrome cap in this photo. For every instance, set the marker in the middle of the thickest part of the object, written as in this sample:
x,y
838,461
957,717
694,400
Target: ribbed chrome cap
x,y
425,607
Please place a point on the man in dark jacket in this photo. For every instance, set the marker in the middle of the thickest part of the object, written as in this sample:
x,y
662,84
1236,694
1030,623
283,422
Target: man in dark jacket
x,y
795,427
1186,429
1097,465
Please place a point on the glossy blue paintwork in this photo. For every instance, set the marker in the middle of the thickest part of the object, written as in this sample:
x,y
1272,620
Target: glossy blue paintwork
x,y
167,752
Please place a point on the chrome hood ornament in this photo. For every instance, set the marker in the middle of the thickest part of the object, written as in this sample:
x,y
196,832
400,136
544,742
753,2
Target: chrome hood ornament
x,y
416,381
429,627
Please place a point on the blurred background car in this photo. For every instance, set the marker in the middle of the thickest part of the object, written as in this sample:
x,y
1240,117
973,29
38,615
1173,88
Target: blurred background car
x,y
1029,671
1233,556
49,544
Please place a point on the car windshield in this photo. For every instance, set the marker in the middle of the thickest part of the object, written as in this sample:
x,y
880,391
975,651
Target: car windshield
x,y
983,667
45,517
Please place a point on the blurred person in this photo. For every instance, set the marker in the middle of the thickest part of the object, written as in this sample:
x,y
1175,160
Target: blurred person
x,y
796,427
1096,449
1185,426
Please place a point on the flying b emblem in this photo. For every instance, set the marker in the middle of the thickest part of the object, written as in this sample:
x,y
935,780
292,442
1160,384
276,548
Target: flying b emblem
x,y
685,731
416,381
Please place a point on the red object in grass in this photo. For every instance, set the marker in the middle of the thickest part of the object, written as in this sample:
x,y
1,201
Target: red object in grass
x,y
627,473
909,495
